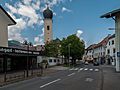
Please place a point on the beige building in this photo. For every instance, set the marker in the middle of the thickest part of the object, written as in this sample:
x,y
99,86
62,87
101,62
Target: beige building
x,y
5,21
48,35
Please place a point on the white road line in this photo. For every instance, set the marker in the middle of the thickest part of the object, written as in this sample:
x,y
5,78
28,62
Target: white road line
x,y
91,69
76,68
86,69
72,69
50,83
71,74
96,70
80,69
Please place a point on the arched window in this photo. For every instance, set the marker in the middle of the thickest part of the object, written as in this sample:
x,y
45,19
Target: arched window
x,y
48,27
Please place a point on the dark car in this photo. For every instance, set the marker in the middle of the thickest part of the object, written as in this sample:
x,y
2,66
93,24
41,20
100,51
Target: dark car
x,y
96,63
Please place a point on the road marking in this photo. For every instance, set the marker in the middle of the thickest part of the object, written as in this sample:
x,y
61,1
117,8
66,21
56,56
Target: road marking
x,y
81,69
71,74
86,69
88,79
91,69
50,83
96,70
72,69
76,68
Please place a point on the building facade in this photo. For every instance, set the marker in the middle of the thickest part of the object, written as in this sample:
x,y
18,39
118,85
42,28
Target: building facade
x,y
5,21
97,52
111,51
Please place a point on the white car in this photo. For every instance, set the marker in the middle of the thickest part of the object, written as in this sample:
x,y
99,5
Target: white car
x,y
86,63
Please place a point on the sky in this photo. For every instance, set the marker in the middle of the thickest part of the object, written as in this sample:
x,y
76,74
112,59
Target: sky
x,y
80,17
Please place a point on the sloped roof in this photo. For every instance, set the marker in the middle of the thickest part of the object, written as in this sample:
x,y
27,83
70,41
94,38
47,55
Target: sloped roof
x,y
110,14
13,22
112,36
91,46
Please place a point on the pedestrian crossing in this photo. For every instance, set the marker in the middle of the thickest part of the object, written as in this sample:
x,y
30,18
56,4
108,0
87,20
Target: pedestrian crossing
x,y
84,69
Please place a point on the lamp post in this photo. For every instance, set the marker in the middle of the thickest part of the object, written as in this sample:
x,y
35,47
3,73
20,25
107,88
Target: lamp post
x,y
27,44
69,54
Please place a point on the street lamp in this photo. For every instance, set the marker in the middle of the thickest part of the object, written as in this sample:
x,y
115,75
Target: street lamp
x,y
27,44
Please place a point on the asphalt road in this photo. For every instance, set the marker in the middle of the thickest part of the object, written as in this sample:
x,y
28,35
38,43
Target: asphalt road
x,y
87,77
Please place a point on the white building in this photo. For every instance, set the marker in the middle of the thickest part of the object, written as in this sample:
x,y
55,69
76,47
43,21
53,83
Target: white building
x,y
110,50
88,55
5,21
96,52
52,61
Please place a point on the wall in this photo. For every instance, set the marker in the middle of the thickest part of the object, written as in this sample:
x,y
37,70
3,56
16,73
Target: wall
x,y
48,33
3,33
53,59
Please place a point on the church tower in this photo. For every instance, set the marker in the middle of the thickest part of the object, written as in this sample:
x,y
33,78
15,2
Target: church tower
x,y
48,15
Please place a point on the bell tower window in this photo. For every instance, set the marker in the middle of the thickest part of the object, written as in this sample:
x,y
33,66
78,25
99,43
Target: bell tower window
x,y
48,27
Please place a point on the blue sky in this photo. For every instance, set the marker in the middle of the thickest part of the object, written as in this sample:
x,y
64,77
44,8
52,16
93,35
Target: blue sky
x,y
70,16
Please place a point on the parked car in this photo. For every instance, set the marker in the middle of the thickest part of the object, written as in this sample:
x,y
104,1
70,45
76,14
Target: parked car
x,y
96,63
86,63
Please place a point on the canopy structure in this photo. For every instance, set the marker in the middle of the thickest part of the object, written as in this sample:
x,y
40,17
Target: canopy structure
x,y
110,14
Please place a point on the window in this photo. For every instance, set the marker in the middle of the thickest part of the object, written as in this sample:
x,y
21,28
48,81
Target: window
x,y
50,60
54,60
109,43
113,50
1,64
112,42
108,51
48,27
8,64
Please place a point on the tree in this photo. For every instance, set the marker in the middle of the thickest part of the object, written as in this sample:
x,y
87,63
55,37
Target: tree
x,y
76,47
52,49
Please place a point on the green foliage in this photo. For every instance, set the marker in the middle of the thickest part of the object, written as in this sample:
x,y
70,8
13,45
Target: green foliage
x,y
76,47
71,44
52,49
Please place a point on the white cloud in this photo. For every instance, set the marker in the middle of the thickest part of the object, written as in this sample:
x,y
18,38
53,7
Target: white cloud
x,y
26,2
14,32
64,9
29,12
39,39
79,32
36,5
54,14
12,9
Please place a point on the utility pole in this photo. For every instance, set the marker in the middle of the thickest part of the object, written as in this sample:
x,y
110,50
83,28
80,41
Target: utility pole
x,y
69,54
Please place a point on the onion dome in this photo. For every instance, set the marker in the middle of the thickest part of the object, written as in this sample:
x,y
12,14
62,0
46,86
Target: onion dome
x,y
47,13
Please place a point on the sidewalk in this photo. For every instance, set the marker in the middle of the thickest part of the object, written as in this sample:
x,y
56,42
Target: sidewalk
x,y
111,79
20,75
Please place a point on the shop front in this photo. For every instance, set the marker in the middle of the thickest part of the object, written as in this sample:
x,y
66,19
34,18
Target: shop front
x,y
12,59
